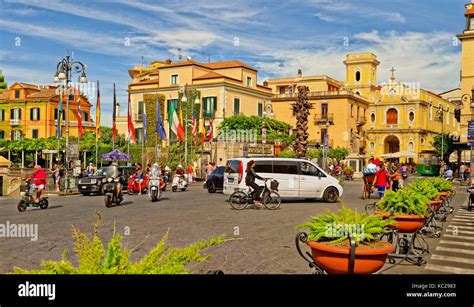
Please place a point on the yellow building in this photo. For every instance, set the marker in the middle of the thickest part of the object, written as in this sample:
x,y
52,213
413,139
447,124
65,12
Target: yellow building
x,y
30,111
226,88
338,113
467,70
364,117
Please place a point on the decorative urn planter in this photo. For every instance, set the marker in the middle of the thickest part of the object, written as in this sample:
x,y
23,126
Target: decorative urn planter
x,y
335,259
409,223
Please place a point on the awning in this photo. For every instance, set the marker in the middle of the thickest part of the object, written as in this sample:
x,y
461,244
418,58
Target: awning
x,y
4,162
465,156
400,154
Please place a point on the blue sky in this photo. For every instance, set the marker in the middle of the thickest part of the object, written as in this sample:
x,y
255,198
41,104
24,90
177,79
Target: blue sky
x,y
277,37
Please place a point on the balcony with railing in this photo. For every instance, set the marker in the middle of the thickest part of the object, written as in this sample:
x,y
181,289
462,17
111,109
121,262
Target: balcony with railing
x,y
361,120
15,122
325,118
73,123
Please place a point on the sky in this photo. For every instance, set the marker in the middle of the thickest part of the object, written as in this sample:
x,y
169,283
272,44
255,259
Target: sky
x,y
276,37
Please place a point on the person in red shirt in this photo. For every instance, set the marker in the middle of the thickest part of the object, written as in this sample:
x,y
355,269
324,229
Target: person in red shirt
x,y
190,173
380,180
39,182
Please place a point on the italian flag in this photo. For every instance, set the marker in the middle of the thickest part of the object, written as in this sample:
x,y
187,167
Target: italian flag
x,y
175,124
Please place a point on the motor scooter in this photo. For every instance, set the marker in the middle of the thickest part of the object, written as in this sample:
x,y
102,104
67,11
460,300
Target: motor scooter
x,y
134,185
155,189
179,183
111,197
26,200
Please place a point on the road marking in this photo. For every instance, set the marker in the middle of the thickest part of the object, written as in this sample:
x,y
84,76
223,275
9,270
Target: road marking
x,y
463,227
455,250
461,219
458,237
448,269
456,243
452,259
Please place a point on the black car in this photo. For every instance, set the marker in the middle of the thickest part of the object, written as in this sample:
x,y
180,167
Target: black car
x,y
94,184
215,181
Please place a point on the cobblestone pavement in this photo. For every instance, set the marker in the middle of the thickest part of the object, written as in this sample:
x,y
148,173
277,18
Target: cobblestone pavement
x,y
266,243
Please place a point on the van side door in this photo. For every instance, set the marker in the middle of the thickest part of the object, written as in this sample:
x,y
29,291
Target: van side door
x,y
286,172
311,180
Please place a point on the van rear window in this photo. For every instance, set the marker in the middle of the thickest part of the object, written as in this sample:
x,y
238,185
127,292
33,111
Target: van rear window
x,y
232,166
263,166
285,167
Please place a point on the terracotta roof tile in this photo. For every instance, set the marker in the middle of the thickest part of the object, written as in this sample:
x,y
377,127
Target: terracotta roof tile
x,y
5,95
144,82
210,75
228,64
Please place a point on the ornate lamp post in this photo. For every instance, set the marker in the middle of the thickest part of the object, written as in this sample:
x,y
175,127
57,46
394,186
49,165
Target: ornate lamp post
x,y
64,71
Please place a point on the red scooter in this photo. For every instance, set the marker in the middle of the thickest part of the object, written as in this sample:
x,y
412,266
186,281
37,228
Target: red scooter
x,y
134,185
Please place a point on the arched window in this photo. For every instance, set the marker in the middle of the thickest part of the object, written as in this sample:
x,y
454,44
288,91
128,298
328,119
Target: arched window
x,y
372,118
411,146
357,76
392,116
411,117
371,147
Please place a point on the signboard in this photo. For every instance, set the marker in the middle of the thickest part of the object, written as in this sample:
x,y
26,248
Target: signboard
x,y
73,150
158,151
470,133
49,151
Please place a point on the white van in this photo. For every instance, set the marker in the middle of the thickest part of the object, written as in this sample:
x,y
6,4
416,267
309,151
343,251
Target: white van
x,y
297,177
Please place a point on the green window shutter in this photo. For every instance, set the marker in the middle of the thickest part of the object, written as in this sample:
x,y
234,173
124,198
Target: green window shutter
x,y
12,113
214,103
31,114
39,114
205,102
19,114
236,106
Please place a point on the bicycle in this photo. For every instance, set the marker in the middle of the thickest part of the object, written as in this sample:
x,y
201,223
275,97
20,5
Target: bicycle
x,y
270,198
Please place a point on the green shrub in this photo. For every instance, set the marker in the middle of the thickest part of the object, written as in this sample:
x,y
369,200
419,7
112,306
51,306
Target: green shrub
x,y
92,258
442,185
287,154
404,201
368,227
348,169
424,187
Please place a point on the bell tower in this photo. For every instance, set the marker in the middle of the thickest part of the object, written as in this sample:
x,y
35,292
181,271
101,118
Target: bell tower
x,y
467,67
361,74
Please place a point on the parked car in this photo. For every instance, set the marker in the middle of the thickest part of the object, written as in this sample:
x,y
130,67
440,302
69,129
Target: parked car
x,y
298,178
94,184
215,181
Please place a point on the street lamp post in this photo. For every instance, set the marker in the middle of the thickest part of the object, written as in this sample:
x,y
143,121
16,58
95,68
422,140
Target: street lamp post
x,y
472,112
325,145
64,71
267,112
184,99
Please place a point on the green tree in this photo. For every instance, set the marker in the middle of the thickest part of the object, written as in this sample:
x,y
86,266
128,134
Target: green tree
x,y
443,144
338,153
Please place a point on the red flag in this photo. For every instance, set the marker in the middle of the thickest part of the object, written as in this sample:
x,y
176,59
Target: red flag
x,y
131,128
194,129
209,134
79,113
114,115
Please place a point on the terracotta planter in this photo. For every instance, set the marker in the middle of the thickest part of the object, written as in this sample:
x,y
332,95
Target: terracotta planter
x,y
335,260
443,194
435,204
409,223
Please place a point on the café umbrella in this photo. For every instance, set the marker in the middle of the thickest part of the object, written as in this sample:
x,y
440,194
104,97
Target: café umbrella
x,y
116,155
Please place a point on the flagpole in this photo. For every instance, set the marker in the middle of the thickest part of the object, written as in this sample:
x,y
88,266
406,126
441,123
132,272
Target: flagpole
x,y
97,123
113,121
79,118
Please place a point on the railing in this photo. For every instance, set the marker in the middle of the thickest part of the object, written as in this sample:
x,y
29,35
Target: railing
x,y
73,123
15,122
320,93
361,120
324,118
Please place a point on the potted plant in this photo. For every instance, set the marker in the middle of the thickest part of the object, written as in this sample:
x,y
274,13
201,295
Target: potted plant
x,y
443,186
348,170
408,208
328,239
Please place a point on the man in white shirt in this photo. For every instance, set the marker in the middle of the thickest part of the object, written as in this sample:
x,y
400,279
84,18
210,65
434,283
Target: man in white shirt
x,y
371,168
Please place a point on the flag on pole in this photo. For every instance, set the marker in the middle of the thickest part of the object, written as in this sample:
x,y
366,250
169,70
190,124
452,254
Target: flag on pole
x,y
59,119
194,129
209,134
114,115
79,114
144,123
131,128
175,124
203,128
159,122
97,115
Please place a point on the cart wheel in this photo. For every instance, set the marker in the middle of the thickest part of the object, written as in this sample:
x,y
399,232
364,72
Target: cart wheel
x,y
391,260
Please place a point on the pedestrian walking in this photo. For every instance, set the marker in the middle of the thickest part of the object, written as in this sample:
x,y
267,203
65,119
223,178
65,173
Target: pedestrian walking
x,y
56,177
190,173
462,170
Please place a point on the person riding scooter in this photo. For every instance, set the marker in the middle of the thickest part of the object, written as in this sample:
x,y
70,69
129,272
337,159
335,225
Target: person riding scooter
x,y
39,182
139,177
116,174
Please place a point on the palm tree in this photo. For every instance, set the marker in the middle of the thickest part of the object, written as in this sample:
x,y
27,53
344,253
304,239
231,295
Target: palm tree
x,y
301,110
